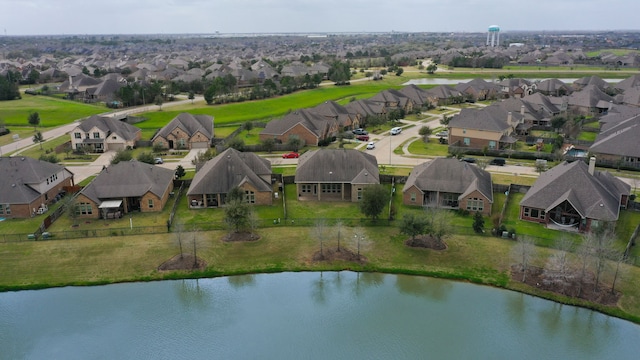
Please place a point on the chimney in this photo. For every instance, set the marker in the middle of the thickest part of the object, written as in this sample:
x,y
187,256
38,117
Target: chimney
x,y
509,119
70,82
522,110
592,165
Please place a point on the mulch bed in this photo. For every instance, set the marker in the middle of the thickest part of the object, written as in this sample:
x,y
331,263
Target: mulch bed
x,y
183,262
330,254
241,236
535,278
427,242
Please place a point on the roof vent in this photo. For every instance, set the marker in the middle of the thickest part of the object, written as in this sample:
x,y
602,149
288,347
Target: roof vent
x,y
13,185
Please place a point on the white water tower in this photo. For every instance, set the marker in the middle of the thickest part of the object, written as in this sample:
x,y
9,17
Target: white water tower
x,y
493,36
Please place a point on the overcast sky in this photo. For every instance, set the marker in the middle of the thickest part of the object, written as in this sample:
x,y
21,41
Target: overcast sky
x,y
46,17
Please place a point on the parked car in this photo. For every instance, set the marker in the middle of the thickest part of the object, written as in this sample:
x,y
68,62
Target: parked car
x,y
498,161
362,137
444,133
371,146
291,155
469,160
360,131
158,160
396,130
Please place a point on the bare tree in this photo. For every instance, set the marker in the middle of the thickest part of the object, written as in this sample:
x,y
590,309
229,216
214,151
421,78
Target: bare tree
x,y
584,256
360,239
339,228
178,231
319,233
438,223
602,251
558,270
524,252
620,259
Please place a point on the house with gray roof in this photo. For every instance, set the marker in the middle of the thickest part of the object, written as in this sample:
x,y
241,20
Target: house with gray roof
x,y
618,142
393,99
27,185
230,169
366,108
589,101
574,196
491,127
336,112
100,134
553,87
335,175
479,89
128,186
306,124
450,184
444,95
186,131
419,96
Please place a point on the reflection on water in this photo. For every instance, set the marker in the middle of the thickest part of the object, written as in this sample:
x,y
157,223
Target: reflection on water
x,y
315,315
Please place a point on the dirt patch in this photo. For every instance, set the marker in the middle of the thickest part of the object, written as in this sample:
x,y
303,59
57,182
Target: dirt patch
x,y
570,287
241,236
330,254
427,242
183,262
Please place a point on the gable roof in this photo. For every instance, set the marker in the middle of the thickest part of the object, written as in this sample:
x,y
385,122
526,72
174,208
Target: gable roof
x,y
18,174
452,176
418,95
314,122
491,118
128,179
229,169
620,138
592,196
589,97
190,124
337,166
365,107
109,126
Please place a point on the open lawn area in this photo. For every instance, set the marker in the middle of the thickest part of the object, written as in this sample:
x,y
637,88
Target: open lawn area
x,y
53,112
431,148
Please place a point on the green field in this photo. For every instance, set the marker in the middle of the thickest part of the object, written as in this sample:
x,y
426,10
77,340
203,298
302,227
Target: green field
x,y
53,112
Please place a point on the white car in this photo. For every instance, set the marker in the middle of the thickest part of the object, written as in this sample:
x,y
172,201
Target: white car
x,y
444,133
396,130
371,146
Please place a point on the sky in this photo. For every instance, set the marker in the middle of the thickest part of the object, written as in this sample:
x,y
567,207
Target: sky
x,y
66,17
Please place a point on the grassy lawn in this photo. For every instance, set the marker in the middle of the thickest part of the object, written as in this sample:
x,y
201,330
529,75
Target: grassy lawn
x,y
22,132
431,148
49,144
53,112
587,136
224,131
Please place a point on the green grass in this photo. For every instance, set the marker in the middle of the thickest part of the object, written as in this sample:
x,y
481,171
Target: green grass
x,y
22,132
432,148
48,144
53,112
224,131
587,136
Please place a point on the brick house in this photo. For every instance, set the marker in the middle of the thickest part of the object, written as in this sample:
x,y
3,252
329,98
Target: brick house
x,y
306,124
186,131
28,185
231,168
101,134
126,187
450,184
335,174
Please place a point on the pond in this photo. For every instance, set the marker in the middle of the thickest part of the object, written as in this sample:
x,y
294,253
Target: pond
x,y
311,315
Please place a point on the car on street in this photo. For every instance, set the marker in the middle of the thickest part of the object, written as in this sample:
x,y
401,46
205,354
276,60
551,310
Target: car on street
x,y
362,137
371,146
158,160
291,155
468,160
498,162
360,131
444,133
396,130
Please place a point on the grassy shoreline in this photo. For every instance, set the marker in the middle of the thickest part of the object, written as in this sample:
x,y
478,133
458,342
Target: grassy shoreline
x,y
89,262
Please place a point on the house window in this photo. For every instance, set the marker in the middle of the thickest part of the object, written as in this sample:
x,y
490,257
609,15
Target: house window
x,y
305,188
84,209
250,197
492,144
467,141
449,199
5,209
182,144
96,135
77,135
464,131
331,188
212,200
535,213
359,193
475,204
150,203
413,197
526,212
114,137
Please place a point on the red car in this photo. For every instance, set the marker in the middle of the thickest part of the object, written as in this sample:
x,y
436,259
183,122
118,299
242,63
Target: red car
x,y
291,155
363,137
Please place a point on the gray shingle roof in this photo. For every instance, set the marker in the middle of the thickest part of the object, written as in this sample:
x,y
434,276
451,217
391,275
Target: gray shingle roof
x,y
229,169
316,123
593,196
129,179
452,176
621,138
19,174
109,126
492,118
190,124
337,166
589,97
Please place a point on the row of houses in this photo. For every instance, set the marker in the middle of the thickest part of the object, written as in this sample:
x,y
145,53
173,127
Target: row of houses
x,y
570,195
